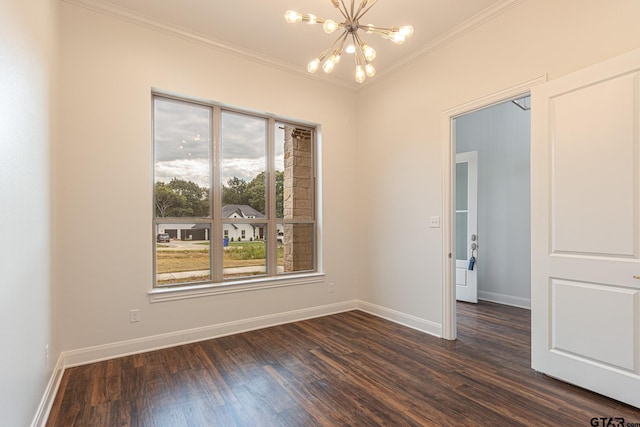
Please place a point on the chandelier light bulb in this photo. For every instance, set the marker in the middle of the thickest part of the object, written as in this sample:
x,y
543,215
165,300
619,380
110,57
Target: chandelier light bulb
x,y
370,70
329,26
369,52
328,65
312,19
350,49
360,74
291,16
312,66
397,38
406,30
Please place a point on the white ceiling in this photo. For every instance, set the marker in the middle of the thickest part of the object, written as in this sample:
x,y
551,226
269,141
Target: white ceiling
x,y
256,28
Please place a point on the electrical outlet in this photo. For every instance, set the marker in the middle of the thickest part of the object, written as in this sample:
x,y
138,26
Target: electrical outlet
x,y
46,355
331,287
134,315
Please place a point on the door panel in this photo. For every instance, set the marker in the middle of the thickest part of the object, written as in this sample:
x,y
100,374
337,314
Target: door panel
x,y
585,234
614,333
592,130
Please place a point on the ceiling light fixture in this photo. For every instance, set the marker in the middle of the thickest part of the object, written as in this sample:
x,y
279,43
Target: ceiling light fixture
x,y
363,53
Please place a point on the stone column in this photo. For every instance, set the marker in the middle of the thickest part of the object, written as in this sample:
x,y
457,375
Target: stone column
x,y
298,199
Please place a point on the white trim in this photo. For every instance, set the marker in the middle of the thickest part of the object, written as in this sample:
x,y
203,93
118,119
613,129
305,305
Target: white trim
x,y
162,294
450,36
448,150
155,24
505,299
403,319
146,21
98,353
44,408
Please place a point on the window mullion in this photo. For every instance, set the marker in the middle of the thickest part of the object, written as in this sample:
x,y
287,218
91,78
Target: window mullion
x,y
272,241
217,251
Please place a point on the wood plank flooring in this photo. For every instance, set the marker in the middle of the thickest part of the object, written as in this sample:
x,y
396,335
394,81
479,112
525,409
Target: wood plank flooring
x,y
349,369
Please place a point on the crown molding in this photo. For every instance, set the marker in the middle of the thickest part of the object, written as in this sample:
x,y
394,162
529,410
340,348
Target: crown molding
x,y
148,22
463,28
136,18
450,36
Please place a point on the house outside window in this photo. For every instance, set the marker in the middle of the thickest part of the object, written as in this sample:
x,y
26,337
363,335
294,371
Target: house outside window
x,y
234,190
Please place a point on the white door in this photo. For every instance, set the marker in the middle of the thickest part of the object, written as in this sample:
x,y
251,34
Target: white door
x,y
585,225
466,226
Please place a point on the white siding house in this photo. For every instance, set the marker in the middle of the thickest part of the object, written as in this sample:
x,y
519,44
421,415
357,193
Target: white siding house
x,y
239,231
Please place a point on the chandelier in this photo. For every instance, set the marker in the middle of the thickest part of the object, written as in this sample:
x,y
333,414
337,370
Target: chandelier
x,y
363,53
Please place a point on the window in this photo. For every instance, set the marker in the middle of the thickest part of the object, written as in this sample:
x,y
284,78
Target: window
x,y
234,192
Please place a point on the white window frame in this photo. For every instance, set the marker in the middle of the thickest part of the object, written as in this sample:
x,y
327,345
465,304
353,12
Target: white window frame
x,y
218,284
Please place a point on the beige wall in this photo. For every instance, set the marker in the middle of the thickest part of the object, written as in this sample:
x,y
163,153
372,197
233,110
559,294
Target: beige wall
x,y
400,136
27,63
104,203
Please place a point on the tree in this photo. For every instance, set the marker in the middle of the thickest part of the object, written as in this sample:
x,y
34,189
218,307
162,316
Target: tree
x,y
180,198
166,200
194,196
256,192
234,193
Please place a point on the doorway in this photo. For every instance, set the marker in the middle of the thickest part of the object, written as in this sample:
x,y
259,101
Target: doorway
x,y
449,118
493,243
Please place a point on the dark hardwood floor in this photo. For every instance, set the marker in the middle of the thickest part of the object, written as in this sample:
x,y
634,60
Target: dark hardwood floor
x,y
347,369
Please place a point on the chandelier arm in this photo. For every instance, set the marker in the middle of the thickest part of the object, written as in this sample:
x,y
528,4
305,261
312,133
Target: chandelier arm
x,y
344,39
364,12
324,53
360,41
375,28
363,59
389,29
356,54
342,36
355,45
362,4
344,12
317,19
345,9
382,32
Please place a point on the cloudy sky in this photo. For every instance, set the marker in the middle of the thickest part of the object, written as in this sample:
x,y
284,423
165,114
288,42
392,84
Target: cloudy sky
x,y
183,142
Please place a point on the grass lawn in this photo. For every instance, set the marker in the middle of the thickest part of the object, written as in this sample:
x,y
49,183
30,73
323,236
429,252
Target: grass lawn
x,y
237,254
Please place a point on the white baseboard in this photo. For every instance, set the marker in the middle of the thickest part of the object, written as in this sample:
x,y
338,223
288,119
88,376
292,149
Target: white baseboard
x,y
505,299
42,413
98,353
404,319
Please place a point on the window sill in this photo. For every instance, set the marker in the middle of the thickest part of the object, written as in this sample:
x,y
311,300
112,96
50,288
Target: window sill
x,y
210,289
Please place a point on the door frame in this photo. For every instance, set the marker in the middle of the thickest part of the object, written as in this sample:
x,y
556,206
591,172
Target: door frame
x,y
449,326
